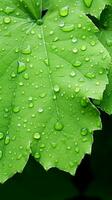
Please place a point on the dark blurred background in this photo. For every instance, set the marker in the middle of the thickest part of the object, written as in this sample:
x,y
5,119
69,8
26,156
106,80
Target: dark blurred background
x,y
93,180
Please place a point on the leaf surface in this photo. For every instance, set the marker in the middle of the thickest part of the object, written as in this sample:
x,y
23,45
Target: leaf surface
x,y
105,36
49,68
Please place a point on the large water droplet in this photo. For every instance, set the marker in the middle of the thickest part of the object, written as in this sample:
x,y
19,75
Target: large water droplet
x,y
27,50
21,67
64,11
68,28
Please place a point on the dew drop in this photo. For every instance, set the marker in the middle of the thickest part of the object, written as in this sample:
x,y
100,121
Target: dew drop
x,y
40,110
84,102
72,74
56,88
36,136
27,50
16,109
21,67
1,154
77,64
84,131
58,126
64,11
37,155
68,28
7,139
7,20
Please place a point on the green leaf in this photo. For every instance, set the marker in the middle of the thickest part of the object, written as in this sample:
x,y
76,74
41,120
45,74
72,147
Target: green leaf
x,y
87,6
49,69
105,36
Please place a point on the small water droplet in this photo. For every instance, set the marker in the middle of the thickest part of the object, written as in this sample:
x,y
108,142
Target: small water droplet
x,y
16,109
84,102
36,136
7,139
7,20
37,155
40,110
58,126
84,131
56,88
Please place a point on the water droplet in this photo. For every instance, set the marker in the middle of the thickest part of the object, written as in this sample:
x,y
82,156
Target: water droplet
x,y
75,50
26,76
37,155
40,110
21,67
7,139
46,61
16,109
88,3
77,89
84,131
72,74
58,126
64,11
68,28
84,102
53,144
27,50
7,20
77,149
1,135
83,48
37,136
56,88
90,75
77,64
